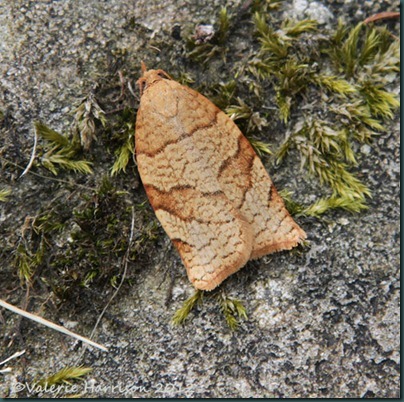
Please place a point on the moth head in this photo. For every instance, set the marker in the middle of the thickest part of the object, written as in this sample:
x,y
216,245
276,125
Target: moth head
x,y
150,77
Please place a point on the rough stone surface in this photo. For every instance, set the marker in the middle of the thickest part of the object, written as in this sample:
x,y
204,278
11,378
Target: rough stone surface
x,y
321,324
301,9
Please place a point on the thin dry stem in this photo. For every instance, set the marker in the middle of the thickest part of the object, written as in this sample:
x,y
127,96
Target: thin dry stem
x,y
50,324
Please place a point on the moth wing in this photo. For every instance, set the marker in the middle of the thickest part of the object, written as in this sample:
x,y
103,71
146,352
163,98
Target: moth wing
x,y
246,183
209,189
213,239
177,163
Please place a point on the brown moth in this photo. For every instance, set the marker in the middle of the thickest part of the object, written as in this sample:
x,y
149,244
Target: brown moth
x,y
208,188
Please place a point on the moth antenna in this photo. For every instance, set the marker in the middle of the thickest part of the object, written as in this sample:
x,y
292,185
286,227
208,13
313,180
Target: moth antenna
x,y
144,68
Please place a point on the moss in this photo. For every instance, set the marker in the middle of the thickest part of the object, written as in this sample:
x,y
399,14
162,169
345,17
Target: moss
x,y
4,194
206,50
94,230
261,148
86,115
102,234
322,205
25,264
343,72
362,47
232,309
326,154
224,94
61,152
223,26
381,103
123,135
64,376
182,314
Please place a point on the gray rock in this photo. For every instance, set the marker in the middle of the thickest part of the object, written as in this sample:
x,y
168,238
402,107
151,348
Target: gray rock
x,y
323,323
301,9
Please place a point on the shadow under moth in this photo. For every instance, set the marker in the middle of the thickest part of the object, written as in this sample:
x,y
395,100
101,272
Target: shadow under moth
x,y
206,184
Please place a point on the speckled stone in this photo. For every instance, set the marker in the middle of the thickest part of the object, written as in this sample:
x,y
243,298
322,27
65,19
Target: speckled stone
x,y
324,323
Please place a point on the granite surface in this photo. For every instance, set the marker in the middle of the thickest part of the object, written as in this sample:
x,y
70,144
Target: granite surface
x,y
322,323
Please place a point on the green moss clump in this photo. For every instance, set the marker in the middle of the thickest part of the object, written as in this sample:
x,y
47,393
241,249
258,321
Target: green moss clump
x,y
4,194
333,81
182,313
64,376
123,134
61,152
232,309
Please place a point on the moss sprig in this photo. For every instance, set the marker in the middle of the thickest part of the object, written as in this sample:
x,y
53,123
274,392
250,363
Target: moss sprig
x,y
352,50
86,115
49,222
27,260
62,152
260,147
65,376
334,84
251,121
381,103
291,80
266,6
223,26
224,94
125,152
322,205
4,194
292,28
181,315
233,310
273,45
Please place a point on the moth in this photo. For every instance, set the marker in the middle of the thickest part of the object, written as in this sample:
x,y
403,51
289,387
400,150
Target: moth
x,y
206,184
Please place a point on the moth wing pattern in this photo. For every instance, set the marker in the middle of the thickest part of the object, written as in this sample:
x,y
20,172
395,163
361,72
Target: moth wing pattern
x,y
248,186
206,184
176,161
213,243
